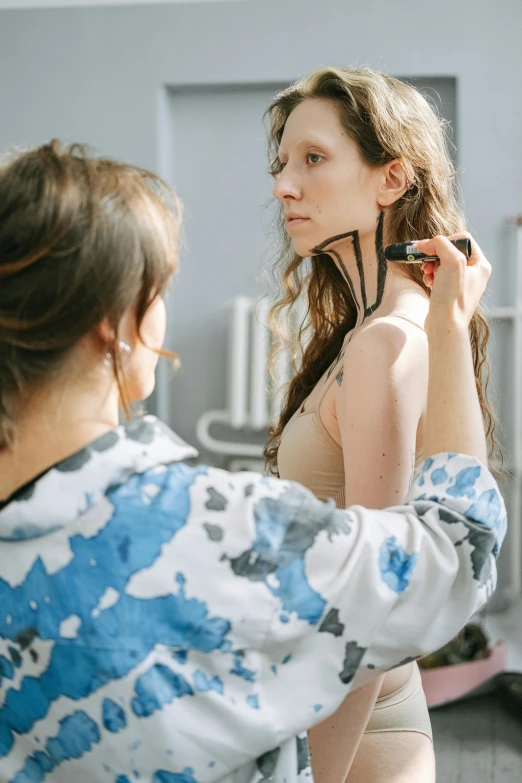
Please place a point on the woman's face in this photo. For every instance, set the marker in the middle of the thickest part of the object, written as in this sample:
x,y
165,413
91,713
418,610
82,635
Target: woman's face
x,y
324,186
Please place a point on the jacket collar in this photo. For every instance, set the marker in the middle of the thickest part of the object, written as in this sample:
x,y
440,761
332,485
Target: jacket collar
x,y
70,488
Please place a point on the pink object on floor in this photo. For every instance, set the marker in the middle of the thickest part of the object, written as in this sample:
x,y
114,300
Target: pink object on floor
x,y
449,683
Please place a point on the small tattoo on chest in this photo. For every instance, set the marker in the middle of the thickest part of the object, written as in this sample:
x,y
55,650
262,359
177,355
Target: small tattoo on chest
x,y
334,365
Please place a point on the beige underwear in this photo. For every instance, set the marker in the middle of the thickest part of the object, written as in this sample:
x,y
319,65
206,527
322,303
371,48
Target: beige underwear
x,y
403,710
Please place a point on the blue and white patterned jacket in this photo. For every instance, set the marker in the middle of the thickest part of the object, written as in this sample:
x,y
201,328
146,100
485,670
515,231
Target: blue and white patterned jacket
x,y
167,623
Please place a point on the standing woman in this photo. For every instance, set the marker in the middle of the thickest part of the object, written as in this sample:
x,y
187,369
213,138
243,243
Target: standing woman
x,y
360,161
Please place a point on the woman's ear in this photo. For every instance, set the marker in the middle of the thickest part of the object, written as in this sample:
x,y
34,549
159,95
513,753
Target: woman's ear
x,y
105,332
394,183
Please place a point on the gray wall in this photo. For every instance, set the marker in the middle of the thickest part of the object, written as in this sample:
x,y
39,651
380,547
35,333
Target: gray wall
x,y
100,75
96,75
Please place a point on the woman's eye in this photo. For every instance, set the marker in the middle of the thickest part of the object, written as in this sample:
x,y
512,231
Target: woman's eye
x,y
313,157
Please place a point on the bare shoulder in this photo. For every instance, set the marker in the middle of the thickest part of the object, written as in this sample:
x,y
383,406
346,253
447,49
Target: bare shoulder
x,y
384,380
385,341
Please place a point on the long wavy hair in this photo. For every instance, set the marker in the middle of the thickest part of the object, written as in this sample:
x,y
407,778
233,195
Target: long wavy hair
x,y
388,120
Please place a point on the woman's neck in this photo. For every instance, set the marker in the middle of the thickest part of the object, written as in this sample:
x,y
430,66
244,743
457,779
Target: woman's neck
x,y
55,423
378,289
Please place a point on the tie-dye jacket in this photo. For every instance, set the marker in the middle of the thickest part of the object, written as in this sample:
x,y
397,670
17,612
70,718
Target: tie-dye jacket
x,y
173,623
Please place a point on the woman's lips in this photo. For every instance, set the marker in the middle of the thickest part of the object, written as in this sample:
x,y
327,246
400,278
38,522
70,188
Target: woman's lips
x,y
293,222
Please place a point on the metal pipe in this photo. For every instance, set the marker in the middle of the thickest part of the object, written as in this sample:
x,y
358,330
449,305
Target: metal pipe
x,y
221,446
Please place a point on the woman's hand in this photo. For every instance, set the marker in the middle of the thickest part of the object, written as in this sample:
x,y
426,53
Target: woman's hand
x,y
456,283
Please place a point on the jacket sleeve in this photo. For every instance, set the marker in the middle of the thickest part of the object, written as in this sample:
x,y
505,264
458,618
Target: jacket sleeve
x,y
319,600
359,591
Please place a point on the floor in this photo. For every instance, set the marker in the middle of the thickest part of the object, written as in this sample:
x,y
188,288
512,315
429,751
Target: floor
x,y
477,741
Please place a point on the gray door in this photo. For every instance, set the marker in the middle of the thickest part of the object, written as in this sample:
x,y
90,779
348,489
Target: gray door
x,y
219,168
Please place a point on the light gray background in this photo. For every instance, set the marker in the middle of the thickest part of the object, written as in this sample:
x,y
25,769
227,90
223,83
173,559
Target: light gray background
x,y
179,88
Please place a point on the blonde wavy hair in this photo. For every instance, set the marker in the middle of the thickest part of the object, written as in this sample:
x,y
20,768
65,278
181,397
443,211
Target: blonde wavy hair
x,y
388,120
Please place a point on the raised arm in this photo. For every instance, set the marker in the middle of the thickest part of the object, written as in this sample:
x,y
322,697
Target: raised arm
x,y
379,404
454,420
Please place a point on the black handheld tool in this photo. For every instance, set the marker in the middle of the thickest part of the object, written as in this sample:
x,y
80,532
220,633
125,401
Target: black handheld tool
x,y
407,253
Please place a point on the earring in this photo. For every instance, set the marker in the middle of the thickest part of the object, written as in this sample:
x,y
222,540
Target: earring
x,y
108,359
124,348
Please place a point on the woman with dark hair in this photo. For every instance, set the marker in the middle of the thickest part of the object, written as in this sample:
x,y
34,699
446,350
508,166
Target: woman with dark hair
x,y
173,623
360,162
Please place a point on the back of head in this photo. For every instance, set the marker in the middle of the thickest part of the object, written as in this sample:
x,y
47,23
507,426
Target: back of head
x,y
81,239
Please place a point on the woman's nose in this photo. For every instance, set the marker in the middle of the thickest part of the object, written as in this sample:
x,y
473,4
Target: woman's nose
x,y
286,186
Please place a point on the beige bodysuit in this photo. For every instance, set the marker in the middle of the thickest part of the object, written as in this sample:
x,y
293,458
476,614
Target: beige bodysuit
x,y
309,454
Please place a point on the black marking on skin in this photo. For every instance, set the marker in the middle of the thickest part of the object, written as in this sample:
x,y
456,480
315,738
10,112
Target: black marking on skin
x,y
267,764
216,501
331,623
347,277
322,249
352,659
26,637
214,532
382,264
339,377
360,267
382,271
303,753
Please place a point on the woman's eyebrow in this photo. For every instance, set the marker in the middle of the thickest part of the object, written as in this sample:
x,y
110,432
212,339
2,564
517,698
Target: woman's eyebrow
x,y
307,141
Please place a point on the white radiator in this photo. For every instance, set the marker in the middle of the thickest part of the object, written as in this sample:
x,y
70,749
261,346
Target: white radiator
x,y
253,400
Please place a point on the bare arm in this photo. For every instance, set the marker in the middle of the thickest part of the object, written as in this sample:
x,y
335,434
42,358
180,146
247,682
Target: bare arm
x,y
378,405
454,421
454,418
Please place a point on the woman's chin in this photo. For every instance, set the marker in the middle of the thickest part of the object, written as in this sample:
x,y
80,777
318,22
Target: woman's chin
x,y
302,247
